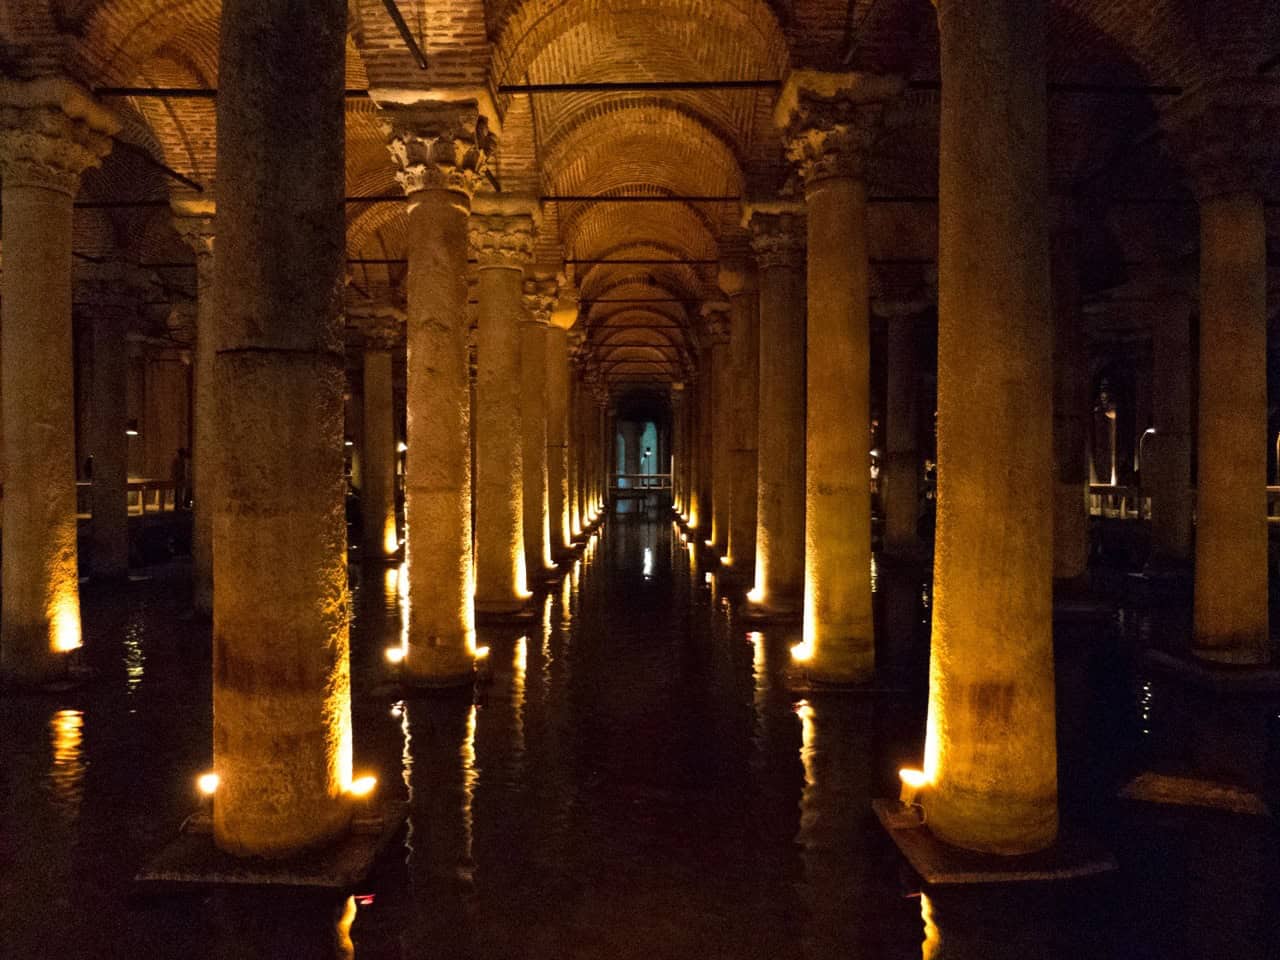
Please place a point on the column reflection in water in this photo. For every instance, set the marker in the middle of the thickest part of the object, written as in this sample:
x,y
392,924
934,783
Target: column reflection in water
x,y
66,772
440,757
267,924
991,924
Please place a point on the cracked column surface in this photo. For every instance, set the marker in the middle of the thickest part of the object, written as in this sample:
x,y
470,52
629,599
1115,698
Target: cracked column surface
x,y
777,239
442,152
991,752
830,122
51,131
281,676
504,244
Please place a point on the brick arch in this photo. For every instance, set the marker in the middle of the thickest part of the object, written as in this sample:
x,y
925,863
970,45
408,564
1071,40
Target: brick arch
x,y
724,33
673,227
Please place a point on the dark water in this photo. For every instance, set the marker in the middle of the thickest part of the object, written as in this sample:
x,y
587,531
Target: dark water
x,y
635,781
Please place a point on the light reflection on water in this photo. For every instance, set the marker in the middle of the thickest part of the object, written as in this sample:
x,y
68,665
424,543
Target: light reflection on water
x,y
66,773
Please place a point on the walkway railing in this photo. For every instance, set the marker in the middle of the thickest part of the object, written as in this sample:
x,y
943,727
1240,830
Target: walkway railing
x,y
638,483
1130,503
143,496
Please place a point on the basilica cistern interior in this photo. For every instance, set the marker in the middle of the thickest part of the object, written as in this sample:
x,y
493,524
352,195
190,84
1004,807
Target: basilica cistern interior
x,y
665,479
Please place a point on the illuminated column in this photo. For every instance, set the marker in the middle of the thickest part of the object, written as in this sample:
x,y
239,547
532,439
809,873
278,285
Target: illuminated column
x,y
693,430
378,441
777,238
1070,404
676,463
50,132
737,279
440,169
108,294
539,299
900,477
281,679
991,751
1223,134
712,352
574,436
504,245
716,317
558,498
830,121
194,222
1166,453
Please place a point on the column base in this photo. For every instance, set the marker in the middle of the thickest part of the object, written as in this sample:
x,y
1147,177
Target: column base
x,y
192,861
1217,676
1069,858
498,612
1246,656
799,678
751,612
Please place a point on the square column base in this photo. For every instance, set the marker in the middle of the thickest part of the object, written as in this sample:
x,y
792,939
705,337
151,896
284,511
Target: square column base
x,y
192,861
1071,858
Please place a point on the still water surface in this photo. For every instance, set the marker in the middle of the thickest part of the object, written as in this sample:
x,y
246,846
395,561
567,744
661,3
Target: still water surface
x,y
634,781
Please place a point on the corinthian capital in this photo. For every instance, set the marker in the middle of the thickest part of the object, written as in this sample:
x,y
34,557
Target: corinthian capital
x,y
777,234
51,131
540,299
830,121
715,321
444,146
502,240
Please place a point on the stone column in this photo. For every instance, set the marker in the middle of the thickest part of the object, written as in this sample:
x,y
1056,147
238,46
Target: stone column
x,y
777,238
990,750
1070,406
558,500
738,281
539,299
194,221
677,445
900,477
442,153
830,121
716,318
693,469
50,131
504,245
281,679
378,441
712,354
107,293
1166,454
1224,134
574,436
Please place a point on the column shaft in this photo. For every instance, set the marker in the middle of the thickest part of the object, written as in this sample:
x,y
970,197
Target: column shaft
x,y
533,439
900,480
1231,518
41,609
838,621
501,573
1166,454
378,495
108,444
745,351
779,582
990,751
722,430
557,440
281,677
1070,411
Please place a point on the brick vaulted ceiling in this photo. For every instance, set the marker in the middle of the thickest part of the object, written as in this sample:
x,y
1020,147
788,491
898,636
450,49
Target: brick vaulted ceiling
x,y
1112,66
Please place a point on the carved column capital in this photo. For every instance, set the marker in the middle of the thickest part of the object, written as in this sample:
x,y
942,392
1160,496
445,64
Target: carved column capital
x,y
381,328
539,299
51,131
830,121
442,146
502,240
194,223
1224,135
715,322
777,234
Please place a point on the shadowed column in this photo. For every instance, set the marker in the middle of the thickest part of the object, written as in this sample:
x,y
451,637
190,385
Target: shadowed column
x,y
738,281
194,221
991,751
378,440
504,245
558,500
721,427
442,153
51,131
777,239
1223,133
281,677
830,122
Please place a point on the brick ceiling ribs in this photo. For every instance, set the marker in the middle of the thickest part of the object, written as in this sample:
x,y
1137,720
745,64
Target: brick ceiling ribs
x,y
666,107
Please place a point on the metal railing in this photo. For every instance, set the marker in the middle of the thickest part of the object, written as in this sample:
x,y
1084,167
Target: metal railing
x,y
143,496
639,483
1116,502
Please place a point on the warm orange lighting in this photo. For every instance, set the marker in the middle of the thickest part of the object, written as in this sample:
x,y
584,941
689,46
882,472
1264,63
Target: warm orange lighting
x,y
932,945
913,781
207,783
390,544
802,652
362,786
481,652
345,947
66,622
395,654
